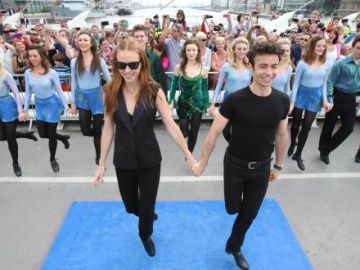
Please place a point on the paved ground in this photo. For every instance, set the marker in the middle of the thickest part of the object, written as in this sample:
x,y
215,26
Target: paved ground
x,y
321,204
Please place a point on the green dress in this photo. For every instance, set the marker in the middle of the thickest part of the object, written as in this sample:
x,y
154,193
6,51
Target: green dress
x,y
194,95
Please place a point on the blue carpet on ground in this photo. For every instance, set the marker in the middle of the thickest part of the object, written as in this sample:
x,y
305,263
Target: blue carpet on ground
x,y
188,235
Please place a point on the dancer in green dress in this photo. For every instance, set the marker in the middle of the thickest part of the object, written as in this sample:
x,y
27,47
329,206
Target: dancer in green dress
x,y
191,79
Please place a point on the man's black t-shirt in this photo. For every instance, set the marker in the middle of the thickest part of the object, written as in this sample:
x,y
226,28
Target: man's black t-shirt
x,y
254,120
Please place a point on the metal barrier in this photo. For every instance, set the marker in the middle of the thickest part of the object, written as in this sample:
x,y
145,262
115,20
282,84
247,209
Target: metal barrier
x,y
70,117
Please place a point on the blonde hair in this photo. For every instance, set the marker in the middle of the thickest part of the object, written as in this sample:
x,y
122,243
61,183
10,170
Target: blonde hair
x,y
232,56
200,35
285,41
220,40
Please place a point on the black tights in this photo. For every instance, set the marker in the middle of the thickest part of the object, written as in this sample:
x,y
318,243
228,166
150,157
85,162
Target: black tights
x,y
306,124
95,131
48,130
8,133
194,123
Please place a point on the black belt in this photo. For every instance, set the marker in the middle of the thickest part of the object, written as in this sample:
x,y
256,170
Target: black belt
x,y
251,165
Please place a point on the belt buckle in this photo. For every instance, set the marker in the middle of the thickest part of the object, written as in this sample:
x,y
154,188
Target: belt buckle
x,y
252,165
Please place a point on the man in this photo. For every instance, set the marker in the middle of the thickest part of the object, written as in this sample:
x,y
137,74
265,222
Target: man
x,y
156,69
174,45
95,32
296,50
258,116
342,86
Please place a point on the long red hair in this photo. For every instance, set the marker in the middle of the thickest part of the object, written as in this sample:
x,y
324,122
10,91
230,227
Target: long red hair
x,y
148,87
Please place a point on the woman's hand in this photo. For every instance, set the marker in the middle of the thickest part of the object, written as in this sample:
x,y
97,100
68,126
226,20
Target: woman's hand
x,y
327,106
73,109
22,116
99,175
211,109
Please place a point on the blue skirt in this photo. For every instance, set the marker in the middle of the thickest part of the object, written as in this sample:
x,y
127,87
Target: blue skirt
x,y
90,100
8,109
48,109
309,98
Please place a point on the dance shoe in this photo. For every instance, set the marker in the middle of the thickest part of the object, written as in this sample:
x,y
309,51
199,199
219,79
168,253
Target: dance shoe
x,y
55,166
239,258
324,158
17,169
291,150
357,156
299,162
149,247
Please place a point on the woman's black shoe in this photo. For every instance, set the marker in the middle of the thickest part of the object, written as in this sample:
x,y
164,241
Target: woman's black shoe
x,y
17,169
291,150
65,141
32,136
239,258
55,166
149,247
357,156
299,162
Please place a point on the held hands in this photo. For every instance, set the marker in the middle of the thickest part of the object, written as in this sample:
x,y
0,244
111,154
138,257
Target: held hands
x,y
327,106
22,116
73,109
198,169
211,110
291,108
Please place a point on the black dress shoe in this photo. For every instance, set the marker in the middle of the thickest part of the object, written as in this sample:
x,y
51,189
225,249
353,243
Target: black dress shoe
x,y
149,247
97,161
55,166
239,258
299,162
17,169
291,150
357,156
324,158
156,216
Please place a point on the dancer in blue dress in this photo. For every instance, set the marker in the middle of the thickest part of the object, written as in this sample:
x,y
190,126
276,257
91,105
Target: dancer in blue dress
x,y
87,94
308,94
285,70
234,74
10,111
41,80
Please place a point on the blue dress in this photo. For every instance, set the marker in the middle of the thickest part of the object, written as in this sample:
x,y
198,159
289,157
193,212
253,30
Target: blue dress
x,y
9,109
49,104
86,90
309,88
282,81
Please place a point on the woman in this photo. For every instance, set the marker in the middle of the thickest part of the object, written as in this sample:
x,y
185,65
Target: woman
x,y
333,48
10,112
132,99
234,74
204,50
190,77
284,70
180,18
308,94
106,52
41,80
218,57
18,61
86,91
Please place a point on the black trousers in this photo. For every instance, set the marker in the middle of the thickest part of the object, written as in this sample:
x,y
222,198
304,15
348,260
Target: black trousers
x,y
244,190
345,107
138,189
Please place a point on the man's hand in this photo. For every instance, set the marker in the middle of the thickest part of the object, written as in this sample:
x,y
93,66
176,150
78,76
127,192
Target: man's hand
x,y
274,174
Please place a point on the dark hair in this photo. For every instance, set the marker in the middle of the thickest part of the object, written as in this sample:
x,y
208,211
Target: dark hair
x,y
356,40
95,63
43,55
264,48
181,12
238,17
184,59
336,18
58,57
160,48
139,27
309,55
358,25
336,34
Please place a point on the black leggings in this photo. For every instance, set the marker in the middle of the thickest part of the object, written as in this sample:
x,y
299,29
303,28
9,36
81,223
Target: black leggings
x,y
306,123
190,128
48,130
95,131
138,189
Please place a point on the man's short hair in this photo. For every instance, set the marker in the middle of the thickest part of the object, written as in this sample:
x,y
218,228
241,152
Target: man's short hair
x,y
356,40
58,57
139,27
358,25
179,27
264,48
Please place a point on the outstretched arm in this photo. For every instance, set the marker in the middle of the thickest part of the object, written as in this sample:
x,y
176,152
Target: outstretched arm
x,y
173,128
210,142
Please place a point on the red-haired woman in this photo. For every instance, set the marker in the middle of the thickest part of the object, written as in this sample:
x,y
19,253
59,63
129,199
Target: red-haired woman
x,y
131,101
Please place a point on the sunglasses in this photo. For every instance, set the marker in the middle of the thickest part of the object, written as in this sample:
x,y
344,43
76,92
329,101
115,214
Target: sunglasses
x,y
203,40
131,65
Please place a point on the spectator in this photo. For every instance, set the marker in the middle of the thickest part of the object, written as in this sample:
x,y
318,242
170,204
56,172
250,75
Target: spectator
x,y
160,51
314,17
105,53
298,50
18,62
180,18
156,68
95,33
204,50
333,49
6,53
218,59
212,37
285,69
305,28
63,71
335,22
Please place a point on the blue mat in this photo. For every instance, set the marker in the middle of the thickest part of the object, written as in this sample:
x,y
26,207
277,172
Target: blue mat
x,y
188,235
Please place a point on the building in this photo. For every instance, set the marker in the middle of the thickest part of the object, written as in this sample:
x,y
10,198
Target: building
x,y
35,6
6,4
